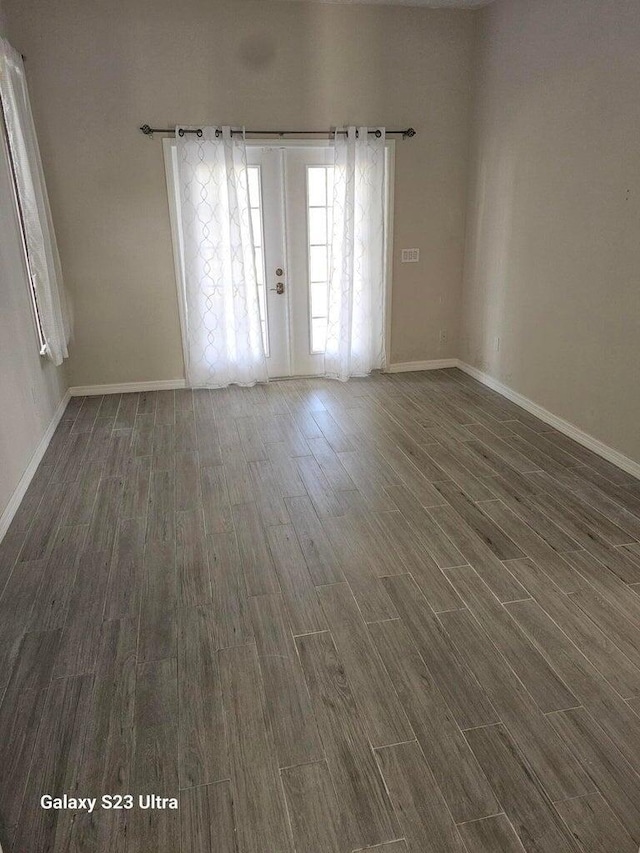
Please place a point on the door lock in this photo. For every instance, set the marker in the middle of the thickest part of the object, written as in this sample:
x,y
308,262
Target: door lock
x,y
279,288
279,271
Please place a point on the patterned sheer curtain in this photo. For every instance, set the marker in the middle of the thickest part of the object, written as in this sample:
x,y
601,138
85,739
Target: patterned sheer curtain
x,y
40,239
355,326
224,336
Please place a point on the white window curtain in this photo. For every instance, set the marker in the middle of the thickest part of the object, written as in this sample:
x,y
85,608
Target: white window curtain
x,y
355,326
224,336
34,204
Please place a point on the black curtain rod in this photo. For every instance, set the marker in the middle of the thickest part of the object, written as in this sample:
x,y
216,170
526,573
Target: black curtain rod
x,y
149,131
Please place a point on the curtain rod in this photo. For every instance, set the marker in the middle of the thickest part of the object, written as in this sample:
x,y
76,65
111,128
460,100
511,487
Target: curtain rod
x,y
149,131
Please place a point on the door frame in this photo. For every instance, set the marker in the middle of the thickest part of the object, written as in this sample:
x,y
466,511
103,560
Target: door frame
x,y
171,173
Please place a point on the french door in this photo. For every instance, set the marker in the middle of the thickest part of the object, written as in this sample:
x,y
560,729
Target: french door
x,y
291,200
291,192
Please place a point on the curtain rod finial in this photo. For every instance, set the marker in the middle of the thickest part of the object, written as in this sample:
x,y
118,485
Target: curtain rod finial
x,y
409,132
146,130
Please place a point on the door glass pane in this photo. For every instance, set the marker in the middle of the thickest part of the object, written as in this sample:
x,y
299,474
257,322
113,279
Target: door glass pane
x,y
329,179
255,202
319,300
254,185
256,224
317,186
259,265
318,334
317,226
319,213
318,263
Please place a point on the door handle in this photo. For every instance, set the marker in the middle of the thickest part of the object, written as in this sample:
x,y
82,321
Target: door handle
x,y
279,288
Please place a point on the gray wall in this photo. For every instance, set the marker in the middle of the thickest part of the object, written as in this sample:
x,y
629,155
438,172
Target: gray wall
x,y
553,253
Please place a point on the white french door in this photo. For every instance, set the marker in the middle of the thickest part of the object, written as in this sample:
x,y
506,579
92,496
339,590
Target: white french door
x,y
291,192
291,200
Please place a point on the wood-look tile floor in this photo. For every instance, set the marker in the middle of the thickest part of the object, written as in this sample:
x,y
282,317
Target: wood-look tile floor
x,y
397,614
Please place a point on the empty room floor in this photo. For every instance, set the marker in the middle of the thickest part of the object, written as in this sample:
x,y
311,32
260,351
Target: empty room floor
x,y
398,613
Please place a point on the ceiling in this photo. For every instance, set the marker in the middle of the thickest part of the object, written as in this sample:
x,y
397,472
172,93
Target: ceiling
x,y
434,4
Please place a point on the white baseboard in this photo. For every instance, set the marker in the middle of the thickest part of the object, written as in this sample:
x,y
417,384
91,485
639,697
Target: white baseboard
x,y
434,364
19,492
619,459
126,387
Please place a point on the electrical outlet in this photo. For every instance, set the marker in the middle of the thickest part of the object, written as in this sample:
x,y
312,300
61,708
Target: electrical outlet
x,y
443,336
497,344
410,256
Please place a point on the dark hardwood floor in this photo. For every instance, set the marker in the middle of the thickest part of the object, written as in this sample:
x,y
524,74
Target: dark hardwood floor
x,y
398,614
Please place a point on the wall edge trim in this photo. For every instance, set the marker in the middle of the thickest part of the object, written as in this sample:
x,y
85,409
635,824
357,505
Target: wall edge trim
x,y
434,364
127,387
571,430
36,457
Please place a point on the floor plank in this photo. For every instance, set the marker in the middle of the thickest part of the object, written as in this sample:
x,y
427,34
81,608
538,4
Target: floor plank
x,y
155,761
298,590
257,564
258,801
457,773
55,765
433,583
126,577
542,682
493,537
108,749
316,548
81,634
317,819
356,567
215,500
229,598
594,644
207,819
157,635
615,778
493,572
465,697
192,560
202,749
378,704
358,783
536,739
594,826
268,495
528,808
288,706
426,823
495,834
325,500
592,691
534,546
426,531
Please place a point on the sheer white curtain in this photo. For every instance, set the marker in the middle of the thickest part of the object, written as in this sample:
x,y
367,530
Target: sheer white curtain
x,y
355,326
34,204
224,336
